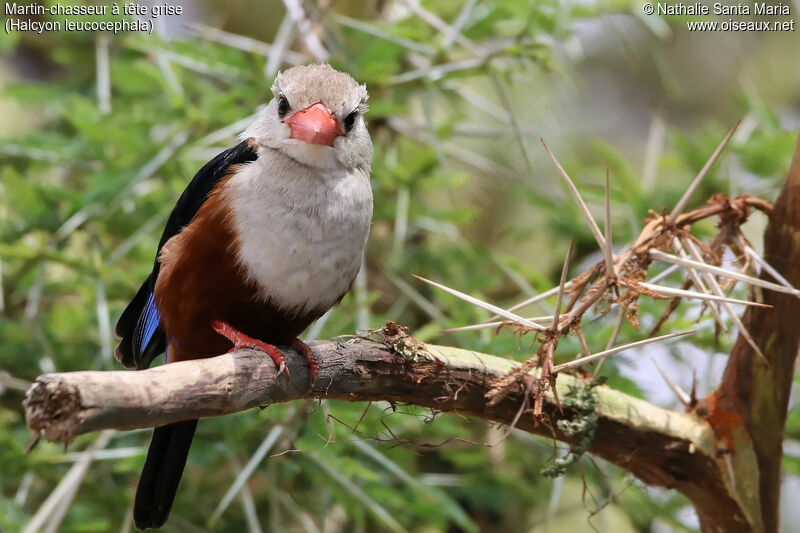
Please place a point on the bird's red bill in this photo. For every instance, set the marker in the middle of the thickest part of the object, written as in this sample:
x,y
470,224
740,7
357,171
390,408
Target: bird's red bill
x,y
314,125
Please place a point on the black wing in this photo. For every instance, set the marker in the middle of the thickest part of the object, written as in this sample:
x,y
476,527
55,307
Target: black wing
x,y
142,339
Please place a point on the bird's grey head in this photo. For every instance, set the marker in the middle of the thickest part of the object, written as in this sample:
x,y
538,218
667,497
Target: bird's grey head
x,y
316,117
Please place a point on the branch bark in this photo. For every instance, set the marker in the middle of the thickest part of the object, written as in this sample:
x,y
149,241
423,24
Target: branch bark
x,y
751,403
659,446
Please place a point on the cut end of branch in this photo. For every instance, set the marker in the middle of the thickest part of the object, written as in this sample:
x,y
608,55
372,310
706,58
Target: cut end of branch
x,y
52,406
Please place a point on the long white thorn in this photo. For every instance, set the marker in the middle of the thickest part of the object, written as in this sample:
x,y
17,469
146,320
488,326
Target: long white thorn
x,y
670,291
613,339
605,353
702,174
676,243
608,249
679,393
538,298
617,326
601,241
417,298
561,284
665,274
695,251
769,268
483,325
484,305
732,274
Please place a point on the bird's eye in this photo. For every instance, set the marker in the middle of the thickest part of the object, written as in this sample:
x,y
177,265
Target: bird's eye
x,y
283,106
349,120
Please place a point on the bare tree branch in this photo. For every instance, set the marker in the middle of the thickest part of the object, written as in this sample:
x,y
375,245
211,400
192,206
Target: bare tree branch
x,y
660,446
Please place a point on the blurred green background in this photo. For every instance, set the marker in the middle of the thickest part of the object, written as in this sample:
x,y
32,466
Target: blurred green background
x,y
100,133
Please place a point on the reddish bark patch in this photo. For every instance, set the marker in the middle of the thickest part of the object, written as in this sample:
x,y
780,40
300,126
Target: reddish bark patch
x,y
723,417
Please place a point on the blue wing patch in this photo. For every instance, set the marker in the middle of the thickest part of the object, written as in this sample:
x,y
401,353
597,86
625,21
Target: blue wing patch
x,y
147,325
141,338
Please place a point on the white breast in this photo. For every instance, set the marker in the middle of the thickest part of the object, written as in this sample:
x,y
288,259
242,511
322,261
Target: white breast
x,y
301,232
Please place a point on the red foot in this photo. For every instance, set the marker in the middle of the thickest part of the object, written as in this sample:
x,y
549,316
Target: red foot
x,y
240,340
313,364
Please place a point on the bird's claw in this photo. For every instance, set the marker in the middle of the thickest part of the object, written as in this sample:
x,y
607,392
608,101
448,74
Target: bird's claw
x,y
283,368
241,340
313,364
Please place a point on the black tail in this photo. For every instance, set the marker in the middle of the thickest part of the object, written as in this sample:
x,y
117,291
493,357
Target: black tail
x,y
161,474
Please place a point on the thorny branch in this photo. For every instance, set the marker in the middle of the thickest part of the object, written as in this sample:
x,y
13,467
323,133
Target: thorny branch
x,y
657,445
748,410
644,439
596,290
621,281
